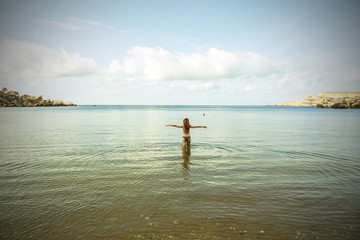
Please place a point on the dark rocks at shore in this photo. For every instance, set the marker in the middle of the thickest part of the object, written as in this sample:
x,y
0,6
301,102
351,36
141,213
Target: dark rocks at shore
x,y
10,98
343,103
339,105
355,104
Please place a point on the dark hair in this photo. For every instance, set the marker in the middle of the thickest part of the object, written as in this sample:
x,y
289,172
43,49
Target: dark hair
x,y
186,125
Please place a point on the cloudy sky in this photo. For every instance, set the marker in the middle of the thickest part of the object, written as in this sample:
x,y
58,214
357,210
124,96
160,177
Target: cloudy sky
x,y
178,51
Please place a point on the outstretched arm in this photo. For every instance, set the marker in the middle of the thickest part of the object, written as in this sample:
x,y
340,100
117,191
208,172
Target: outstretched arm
x,y
173,125
198,126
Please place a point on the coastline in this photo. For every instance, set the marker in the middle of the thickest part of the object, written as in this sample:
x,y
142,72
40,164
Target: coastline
x,y
341,100
10,98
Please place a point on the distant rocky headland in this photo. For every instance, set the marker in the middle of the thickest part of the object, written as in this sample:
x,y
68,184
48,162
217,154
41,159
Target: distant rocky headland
x,y
328,100
9,98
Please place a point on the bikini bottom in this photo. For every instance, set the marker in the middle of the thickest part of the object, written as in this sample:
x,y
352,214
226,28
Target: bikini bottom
x,y
186,138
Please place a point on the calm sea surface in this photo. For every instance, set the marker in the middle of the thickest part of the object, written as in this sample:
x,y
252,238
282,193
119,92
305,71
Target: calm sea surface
x,y
116,172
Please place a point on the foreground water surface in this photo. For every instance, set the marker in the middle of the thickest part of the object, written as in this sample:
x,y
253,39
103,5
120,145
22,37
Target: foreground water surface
x,y
116,172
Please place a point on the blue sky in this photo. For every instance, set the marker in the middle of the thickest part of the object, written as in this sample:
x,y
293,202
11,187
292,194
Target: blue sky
x,y
179,52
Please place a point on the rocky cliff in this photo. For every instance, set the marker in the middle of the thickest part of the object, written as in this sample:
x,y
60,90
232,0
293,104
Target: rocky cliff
x,y
329,100
10,98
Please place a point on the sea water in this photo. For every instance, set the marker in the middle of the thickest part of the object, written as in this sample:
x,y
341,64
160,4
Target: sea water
x,y
116,172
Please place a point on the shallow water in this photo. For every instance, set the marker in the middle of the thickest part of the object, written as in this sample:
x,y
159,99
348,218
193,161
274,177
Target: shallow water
x,y
116,172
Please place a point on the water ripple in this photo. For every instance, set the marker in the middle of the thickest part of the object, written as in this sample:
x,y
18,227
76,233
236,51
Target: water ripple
x,y
118,174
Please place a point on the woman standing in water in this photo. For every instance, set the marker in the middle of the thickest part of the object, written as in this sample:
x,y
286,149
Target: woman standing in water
x,y
186,139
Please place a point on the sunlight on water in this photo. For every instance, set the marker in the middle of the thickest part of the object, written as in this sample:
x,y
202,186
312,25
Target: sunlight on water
x,y
117,172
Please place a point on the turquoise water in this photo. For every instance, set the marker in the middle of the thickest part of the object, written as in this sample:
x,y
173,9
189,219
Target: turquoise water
x,y
116,172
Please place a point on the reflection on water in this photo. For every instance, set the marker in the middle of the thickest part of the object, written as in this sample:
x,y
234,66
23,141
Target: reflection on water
x,y
186,153
107,173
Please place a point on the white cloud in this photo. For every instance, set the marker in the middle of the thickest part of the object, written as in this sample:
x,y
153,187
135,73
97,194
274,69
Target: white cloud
x,y
77,23
158,64
162,70
90,22
249,88
66,26
214,69
28,60
114,67
201,86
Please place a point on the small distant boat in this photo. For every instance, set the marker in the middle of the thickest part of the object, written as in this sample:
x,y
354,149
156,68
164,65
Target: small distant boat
x,y
94,105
